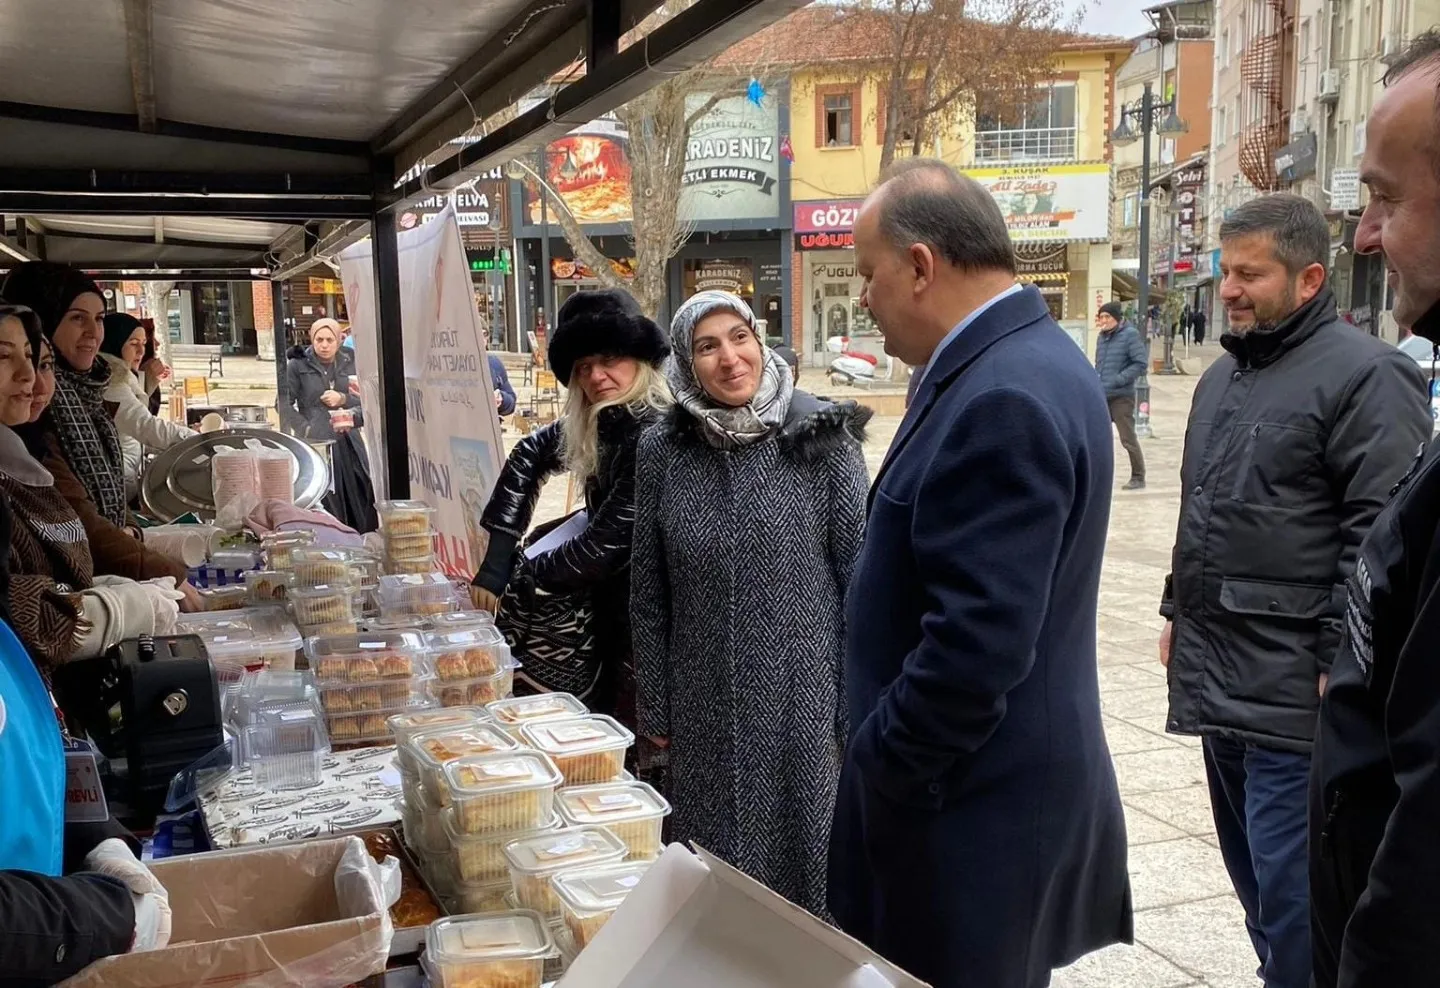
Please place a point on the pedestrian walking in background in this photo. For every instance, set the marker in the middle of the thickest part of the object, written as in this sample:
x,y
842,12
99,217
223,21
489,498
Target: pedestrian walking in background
x,y
979,838
1197,326
750,507
1120,359
1374,856
1296,436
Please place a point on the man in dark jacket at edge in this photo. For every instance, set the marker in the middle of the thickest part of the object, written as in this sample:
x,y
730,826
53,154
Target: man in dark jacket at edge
x,y
1120,360
1296,436
1375,790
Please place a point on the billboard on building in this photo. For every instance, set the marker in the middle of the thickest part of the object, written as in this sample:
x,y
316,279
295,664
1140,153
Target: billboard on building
x,y
732,167
1045,202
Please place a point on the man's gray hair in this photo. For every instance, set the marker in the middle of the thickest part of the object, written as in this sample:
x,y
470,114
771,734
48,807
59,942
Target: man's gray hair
x,y
926,201
1302,237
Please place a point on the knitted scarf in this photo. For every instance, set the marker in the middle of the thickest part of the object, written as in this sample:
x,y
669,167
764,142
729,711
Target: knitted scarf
x,y
87,436
722,426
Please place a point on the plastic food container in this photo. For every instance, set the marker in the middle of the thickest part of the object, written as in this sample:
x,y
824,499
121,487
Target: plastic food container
x,y
472,654
425,832
410,545
398,622
236,559
329,629
267,586
286,755
472,692
532,860
432,751
252,638
224,598
338,659
342,418
410,567
366,725
277,547
463,621
328,604
589,897
586,750
404,517
496,950
316,567
511,714
421,593
479,897
503,791
632,811
481,858
405,726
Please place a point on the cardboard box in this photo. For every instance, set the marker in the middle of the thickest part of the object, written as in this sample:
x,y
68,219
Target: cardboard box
x,y
696,921
274,917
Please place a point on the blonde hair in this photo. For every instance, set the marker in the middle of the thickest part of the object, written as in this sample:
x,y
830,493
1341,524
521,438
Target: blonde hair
x,y
579,429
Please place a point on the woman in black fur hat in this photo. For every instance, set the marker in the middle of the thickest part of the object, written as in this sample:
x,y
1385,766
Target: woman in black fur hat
x,y
607,353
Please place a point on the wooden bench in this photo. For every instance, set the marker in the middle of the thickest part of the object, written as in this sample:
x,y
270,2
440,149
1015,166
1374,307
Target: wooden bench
x,y
209,353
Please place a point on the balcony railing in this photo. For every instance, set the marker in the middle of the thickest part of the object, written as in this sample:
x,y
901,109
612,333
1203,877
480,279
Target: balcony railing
x,y
1038,144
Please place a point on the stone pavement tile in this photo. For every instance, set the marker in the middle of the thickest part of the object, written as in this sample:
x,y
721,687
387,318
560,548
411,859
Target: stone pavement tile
x,y
1125,738
1207,938
1146,707
1131,675
1175,871
1188,808
1158,771
1142,828
1122,966
1114,629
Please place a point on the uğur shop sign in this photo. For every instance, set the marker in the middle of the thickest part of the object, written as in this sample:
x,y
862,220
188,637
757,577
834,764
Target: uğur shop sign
x,y
826,224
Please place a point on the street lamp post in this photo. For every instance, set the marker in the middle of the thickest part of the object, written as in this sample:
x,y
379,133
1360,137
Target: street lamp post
x,y
1144,115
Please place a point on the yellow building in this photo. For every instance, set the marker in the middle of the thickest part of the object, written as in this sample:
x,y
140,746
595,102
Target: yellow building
x,y
1049,170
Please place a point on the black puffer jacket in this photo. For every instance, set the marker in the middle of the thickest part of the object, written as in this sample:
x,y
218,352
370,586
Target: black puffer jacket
x,y
303,412
1296,437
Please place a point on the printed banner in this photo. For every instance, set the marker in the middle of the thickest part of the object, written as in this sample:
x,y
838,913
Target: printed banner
x,y
1050,202
454,432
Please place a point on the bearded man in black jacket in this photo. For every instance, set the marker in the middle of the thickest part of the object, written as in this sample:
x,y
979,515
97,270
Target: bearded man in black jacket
x,y
1296,436
1375,791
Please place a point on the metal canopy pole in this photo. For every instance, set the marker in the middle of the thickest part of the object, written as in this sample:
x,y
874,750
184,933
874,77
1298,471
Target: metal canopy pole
x,y
282,348
391,351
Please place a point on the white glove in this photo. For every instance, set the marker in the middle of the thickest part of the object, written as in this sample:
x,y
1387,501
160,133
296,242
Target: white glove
x,y
112,858
126,610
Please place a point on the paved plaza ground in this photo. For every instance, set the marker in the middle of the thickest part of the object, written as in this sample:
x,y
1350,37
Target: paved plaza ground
x,y
1189,927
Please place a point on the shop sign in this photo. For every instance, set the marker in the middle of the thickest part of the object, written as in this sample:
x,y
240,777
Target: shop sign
x,y
488,259
731,166
564,269
831,216
825,241
1345,189
1050,202
326,286
723,276
480,206
1296,160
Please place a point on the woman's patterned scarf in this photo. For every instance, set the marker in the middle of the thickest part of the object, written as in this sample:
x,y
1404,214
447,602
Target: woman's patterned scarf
x,y
88,438
722,426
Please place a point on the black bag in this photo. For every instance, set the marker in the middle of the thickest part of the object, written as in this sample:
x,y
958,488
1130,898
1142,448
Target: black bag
x,y
550,634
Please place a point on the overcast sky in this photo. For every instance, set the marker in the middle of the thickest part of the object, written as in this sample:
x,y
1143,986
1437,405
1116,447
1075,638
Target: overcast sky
x,y
1122,17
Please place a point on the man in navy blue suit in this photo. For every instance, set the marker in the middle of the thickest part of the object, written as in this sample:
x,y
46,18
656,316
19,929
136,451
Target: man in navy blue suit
x,y
979,839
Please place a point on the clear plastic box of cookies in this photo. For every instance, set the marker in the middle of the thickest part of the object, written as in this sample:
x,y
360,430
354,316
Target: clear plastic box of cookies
x,y
409,545
473,653
517,711
365,725
462,621
486,689
418,593
589,896
502,791
277,547
480,858
433,750
424,832
326,604
478,897
230,598
404,517
494,950
532,860
315,566
587,750
632,811
268,586
250,638
405,726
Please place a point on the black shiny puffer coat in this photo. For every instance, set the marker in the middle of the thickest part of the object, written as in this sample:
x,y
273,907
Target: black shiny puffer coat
x,y
597,560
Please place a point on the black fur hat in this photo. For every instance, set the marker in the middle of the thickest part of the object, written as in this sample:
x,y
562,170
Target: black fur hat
x,y
605,322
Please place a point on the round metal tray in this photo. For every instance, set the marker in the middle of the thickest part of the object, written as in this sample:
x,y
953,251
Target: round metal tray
x,y
178,479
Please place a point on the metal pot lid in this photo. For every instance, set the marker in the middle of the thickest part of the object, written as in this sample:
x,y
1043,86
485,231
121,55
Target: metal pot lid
x,y
178,479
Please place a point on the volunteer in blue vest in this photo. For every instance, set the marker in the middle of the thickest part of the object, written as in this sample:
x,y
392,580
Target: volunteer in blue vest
x,y
70,893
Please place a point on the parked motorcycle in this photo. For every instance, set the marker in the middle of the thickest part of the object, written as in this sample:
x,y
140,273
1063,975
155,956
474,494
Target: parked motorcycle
x,y
853,367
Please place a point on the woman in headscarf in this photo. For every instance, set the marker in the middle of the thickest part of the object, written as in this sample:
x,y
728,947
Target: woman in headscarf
x,y
318,377
607,353
750,507
123,349
76,438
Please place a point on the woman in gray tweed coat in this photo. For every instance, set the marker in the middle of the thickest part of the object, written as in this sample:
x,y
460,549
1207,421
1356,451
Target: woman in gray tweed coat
x,y
750,507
